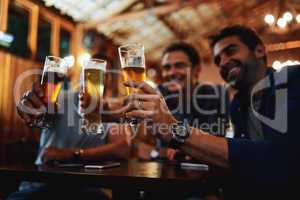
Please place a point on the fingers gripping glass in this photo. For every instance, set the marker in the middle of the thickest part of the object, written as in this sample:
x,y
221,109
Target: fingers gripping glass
x,y
92,77
55,69
132,60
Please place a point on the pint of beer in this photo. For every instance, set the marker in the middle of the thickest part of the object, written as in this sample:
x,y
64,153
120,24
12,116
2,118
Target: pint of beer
x,y
133,65
55,69
52,80
93,71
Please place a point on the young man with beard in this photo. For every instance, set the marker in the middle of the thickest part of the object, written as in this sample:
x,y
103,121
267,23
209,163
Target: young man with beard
x,y
264,114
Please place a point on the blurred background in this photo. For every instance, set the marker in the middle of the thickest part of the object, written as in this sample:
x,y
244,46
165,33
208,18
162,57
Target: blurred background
x,y
78,29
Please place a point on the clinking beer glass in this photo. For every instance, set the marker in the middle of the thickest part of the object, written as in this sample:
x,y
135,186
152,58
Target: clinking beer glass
x,y
133,66
55,69
92,75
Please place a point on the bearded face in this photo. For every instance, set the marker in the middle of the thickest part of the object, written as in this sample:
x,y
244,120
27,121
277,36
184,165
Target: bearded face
x,y
238,64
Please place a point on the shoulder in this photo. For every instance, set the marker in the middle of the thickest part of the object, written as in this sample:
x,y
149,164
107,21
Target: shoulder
x,y
293,73
288,76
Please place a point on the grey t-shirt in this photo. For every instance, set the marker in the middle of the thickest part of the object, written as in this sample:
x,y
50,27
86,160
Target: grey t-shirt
x,y
254,125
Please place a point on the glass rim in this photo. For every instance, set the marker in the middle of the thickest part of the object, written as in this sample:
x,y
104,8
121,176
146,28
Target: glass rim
x,y
97,59
101,62
121,48
60,64
94,60
50,56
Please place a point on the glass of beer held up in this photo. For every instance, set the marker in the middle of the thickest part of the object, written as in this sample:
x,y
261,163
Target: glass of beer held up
x,y
133,66
93,71
55,69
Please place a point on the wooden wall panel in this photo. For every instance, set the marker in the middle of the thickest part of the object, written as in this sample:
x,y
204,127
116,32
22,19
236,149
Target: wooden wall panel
x,y
12,67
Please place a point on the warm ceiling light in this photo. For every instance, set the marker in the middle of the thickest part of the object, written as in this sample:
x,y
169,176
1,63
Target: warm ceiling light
x,y
296,62
269,19
288,62
70,60
84,57
276,65
288,16
298,18
281,23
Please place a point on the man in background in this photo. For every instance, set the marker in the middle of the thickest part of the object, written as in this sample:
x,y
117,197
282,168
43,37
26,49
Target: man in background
x,y
201,105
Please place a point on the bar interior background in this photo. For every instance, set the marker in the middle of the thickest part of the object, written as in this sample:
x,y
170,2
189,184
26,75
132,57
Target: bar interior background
x,y
32,29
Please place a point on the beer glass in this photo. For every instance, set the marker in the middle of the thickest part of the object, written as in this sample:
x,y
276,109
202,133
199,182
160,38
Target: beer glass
x,y
93,71
133,66
55,69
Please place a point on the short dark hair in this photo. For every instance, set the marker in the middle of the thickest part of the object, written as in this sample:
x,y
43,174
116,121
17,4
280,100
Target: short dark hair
x,y
247,35
186,48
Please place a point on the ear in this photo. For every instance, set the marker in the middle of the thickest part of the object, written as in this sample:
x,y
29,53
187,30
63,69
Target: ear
x,y
260,51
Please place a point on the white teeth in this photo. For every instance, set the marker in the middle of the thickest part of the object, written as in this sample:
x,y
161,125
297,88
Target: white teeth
x,y
233,70
232,74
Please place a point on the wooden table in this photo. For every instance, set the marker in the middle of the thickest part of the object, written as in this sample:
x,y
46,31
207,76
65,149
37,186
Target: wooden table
x,y
131,176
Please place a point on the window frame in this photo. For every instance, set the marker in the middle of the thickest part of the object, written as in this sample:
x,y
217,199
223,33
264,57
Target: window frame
x,y
35,11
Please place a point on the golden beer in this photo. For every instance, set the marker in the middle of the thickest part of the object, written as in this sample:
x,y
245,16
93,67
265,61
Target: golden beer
x,y
93,75
137,74
133,64
51,83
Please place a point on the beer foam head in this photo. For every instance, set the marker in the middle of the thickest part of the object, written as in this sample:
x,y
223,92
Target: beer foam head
x,y
132,55
135,61
55,64
95,64
52,66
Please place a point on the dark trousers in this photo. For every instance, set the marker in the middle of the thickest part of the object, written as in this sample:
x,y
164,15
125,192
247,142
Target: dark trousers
x,y
58,192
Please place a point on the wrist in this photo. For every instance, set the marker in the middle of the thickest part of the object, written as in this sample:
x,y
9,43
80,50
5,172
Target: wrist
x,y
180,132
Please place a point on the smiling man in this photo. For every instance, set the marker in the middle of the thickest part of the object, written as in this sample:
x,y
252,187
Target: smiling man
x,y
202,105
265,152
240,70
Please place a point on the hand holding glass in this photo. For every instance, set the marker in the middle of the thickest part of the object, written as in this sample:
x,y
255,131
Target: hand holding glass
x,y
55,69
133,65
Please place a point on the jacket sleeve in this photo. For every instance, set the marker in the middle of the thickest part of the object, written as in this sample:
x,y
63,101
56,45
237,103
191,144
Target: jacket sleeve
x,y
259,162
271,162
